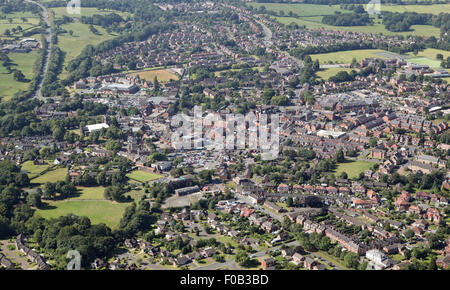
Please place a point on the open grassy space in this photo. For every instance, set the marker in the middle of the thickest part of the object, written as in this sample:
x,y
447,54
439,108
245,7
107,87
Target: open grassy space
x,y
143,176
103,211
90,192
428,57
310,15
329,72
336,261
433,9
163,75
353,168
52,176
377,27
85,11
81,37
20,61
300,9
347,56
33,170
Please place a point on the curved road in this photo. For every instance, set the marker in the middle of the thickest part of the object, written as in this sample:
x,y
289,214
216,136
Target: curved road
x,y
37,94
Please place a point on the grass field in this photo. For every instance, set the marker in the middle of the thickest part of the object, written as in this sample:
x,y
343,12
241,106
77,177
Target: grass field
x,y
310,15
82,36
428,57
329,72
377,27
90,193
85,11
300,9
103,211
143,176
33,170
433,9
163,75
347,56
23,62
353,168
52,176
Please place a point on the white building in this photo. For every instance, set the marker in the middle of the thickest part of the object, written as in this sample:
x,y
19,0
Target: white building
x,y
96,127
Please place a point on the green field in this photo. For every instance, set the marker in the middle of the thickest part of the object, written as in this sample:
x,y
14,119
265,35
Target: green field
x,y
90,193
103,211
428,57
143,176
33,170
353,168
82,36
85,11
347,56
300,9
23,62
52,176
329,72
433,9
377,27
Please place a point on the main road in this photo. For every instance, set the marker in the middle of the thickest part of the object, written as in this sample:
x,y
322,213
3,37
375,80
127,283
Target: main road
x,y
37,93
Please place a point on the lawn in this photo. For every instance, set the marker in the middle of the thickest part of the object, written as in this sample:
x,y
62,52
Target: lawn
x,y
353,168
52,176
104,211
143,176
20,61
347,56
163,75
33,170
90,193
329,72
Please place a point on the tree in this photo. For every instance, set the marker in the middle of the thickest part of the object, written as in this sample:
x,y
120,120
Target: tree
x,y
339,157
156,86
18,76
373,142
34,199
351,260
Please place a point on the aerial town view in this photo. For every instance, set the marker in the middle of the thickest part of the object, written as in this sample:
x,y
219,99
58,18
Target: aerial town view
x,y
224,135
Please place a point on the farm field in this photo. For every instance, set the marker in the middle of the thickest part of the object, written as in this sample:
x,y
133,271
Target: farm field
x,y
51,176
329,72
353,168
33,170
163,75
143,176
23,62
347,56
98,211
